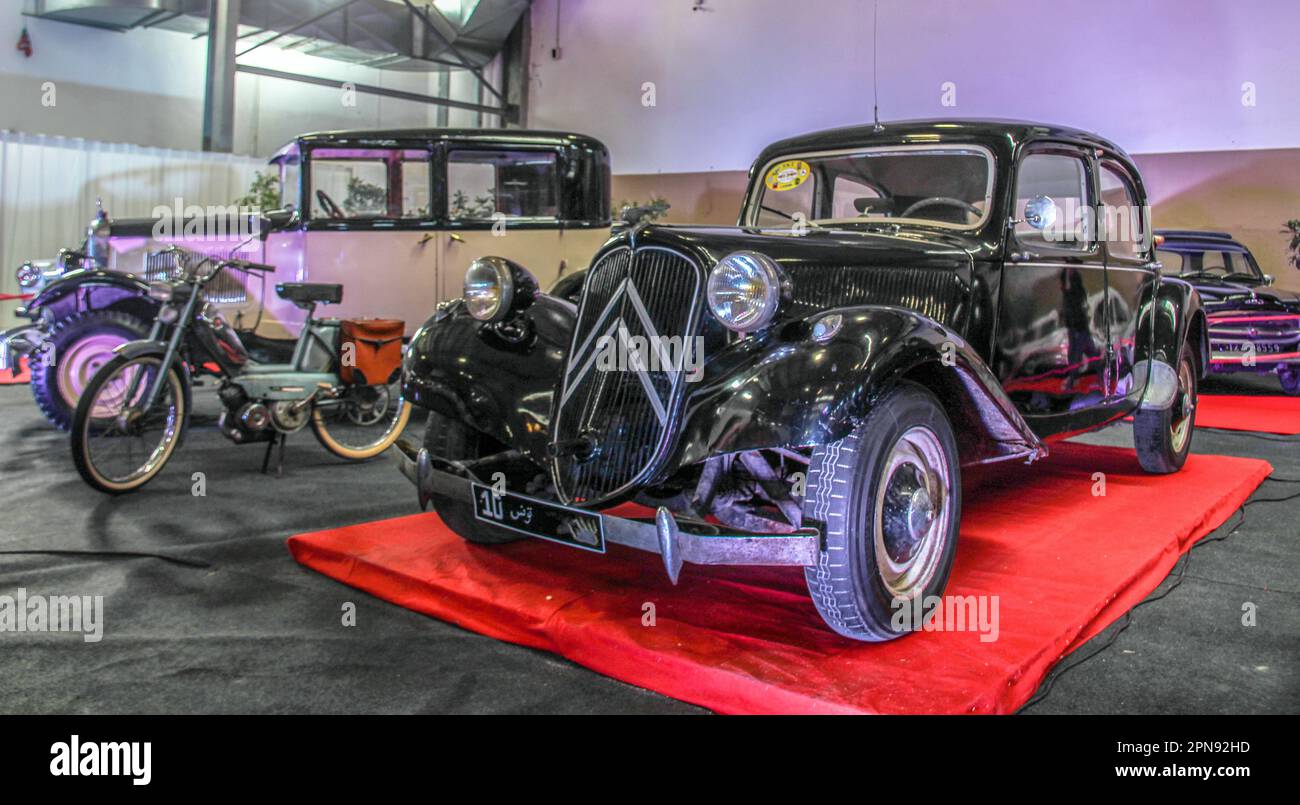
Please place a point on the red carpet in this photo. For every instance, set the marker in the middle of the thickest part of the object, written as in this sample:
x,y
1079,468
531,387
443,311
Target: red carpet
x,y
1063,563
9,377
1264,413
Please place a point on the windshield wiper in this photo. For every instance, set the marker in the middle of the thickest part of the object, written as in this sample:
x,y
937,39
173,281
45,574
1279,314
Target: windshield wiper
x,y
787,216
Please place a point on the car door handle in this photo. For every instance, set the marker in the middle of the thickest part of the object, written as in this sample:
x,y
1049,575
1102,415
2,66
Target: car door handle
x,y
428,236
455,238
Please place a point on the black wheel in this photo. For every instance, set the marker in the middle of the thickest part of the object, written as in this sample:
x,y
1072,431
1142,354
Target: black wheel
x,y
1164,438
116,446
452,440
1289,377
77,347
890,496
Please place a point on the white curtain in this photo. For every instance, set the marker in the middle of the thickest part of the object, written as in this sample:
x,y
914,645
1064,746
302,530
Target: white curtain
x,y
48,187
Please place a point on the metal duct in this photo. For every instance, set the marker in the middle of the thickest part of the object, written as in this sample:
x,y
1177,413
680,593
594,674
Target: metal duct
x,y
374,33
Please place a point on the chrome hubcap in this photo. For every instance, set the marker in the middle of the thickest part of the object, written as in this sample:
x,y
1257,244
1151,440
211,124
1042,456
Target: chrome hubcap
x,y
79,363
913,513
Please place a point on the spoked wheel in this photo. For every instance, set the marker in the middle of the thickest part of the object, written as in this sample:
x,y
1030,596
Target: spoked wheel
x,y
889,495
363,422
116,445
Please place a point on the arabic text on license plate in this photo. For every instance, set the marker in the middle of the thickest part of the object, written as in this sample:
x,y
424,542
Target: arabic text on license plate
x,y
576,528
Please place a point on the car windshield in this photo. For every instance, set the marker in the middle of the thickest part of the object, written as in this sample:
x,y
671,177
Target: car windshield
x,y
948,186
1207,263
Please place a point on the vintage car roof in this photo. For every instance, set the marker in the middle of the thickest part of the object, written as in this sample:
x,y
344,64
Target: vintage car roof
x,y
1176,239
485,136
895,131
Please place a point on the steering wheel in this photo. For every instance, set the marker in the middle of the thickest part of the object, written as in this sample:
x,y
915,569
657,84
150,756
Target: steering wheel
x,y
943,200
332,209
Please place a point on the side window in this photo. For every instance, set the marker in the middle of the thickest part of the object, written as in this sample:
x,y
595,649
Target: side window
x,y
358,188
352,184
1121,216
417,183
1056,188
290,176
517,184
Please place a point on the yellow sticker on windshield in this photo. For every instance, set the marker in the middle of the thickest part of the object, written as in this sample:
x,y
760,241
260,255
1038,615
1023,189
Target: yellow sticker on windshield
x,y
787,175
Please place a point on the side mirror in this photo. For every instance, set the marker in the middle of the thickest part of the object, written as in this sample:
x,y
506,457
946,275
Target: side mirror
x,y
1040,212
277,219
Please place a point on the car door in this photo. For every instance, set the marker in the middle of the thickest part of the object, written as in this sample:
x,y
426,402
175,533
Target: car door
x,y
370,227
507,201
1052,335
1130,267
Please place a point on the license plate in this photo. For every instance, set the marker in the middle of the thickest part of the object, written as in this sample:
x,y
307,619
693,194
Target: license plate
x,y
577,528
1239,346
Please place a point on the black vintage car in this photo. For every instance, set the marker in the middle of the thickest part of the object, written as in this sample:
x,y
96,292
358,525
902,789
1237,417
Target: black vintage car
x,y
804,388
1253,326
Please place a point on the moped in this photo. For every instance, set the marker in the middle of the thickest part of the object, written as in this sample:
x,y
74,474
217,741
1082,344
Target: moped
x,y
136,407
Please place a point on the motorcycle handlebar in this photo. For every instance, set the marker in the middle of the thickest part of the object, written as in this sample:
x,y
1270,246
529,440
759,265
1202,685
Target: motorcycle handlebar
x,y
248,266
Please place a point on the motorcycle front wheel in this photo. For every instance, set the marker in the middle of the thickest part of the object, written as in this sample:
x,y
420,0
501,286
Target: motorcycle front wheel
x,y
361,423
116,445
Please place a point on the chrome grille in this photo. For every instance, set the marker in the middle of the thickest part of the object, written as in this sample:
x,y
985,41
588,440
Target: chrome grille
x,y
935,293
629,413
228,288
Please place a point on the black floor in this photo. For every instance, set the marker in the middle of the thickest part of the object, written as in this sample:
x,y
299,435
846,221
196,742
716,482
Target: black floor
x,y
251,631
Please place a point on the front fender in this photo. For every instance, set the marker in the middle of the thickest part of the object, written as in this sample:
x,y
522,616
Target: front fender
x,y
1170,315
107,288
501,386
141,348
790,390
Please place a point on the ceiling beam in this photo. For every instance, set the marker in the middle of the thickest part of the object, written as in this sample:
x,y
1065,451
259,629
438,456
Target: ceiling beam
x,y
510,114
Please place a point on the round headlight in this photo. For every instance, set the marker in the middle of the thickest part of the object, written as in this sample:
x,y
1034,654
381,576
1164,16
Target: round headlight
x,y
744,291
489,288
27,275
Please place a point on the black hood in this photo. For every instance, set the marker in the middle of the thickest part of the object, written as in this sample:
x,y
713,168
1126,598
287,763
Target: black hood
x,y
1221,293
928,272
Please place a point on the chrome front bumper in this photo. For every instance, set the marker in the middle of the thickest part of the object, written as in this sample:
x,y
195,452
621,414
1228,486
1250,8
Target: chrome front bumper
x,y
676,540
17,342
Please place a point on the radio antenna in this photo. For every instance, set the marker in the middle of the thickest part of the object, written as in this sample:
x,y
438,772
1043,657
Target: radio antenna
x,y
875,47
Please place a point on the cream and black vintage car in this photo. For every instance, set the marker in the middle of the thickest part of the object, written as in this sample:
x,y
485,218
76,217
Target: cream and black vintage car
x,y
396,216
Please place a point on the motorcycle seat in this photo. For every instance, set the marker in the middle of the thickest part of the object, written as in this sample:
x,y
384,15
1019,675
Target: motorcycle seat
x,y
309,293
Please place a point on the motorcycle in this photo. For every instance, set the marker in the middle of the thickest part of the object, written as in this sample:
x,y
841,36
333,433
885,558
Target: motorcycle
x,y
136,408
